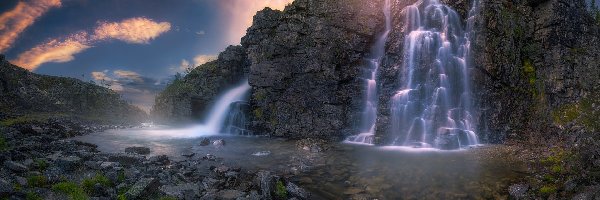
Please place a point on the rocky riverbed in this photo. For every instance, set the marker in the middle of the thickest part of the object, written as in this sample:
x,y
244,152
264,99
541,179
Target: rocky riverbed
x,y
39,162
45,161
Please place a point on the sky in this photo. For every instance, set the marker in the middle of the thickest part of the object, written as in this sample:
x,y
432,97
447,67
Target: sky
x,y
133,47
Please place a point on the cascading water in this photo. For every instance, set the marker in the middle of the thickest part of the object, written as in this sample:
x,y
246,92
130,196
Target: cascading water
x,y
236,123
433,106
216,118
369,114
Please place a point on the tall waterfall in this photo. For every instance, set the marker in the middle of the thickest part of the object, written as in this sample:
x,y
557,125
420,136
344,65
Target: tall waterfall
x,y
369,114
432,108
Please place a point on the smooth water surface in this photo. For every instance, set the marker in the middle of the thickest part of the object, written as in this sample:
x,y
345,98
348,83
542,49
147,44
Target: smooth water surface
x,y
343,171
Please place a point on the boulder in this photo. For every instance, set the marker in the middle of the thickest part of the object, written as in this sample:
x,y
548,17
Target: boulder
x,y
296,191
141,188
15,167
180,190
69,163
518,191
266,183
160,159
126,159
138,150
204,142
230,194
5,188
219,143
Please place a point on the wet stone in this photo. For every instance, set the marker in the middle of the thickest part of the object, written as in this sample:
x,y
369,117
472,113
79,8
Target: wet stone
x,y
15,167
230,194
518,191
138,150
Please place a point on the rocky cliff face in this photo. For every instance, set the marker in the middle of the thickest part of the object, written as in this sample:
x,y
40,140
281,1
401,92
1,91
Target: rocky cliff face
x,y
536,68
25,95
188,98
305,64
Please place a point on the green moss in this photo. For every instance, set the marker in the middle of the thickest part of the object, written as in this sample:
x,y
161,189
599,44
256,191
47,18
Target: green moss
x,y
260,95
36,181
71,189
17,187
557,169
547,190
89,183
549,178
529,71
280,191
121,176
3,144
258,113
168,198
41,164
121,197
581,112
32,196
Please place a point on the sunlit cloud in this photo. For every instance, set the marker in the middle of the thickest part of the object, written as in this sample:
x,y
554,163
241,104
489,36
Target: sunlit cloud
x,y
23,15
202,59
241,13
133,76
56,50
100,76
135,30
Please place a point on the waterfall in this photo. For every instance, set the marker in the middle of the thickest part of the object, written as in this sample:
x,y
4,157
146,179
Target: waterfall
x,y
236,123
432,107
369,114
220,111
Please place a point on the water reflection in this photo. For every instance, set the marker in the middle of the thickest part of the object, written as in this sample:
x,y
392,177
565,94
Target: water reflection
x,y
345,170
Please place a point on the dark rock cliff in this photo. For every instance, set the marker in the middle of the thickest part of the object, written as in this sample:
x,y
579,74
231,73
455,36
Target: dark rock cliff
x,y
25,96
305,64
536,69
187,98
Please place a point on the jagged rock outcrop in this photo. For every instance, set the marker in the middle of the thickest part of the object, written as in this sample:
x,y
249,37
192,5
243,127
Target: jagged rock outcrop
x,y
26,96
189,97
305,64
536,62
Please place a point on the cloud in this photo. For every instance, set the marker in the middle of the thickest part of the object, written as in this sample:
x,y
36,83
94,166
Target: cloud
x,y
23,15
100,76
241,13
201,59
134,87
200,33
129,75
56,50
135,30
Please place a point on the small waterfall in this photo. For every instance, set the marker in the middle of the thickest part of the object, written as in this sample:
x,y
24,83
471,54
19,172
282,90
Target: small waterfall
x,y
218,115
369,114
432,108
236,123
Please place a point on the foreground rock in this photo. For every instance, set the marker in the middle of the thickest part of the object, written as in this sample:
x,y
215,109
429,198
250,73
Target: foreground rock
x,y
66,169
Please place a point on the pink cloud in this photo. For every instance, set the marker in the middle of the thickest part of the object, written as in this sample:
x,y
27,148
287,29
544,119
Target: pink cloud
x,y
55,50
23,15
135,30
